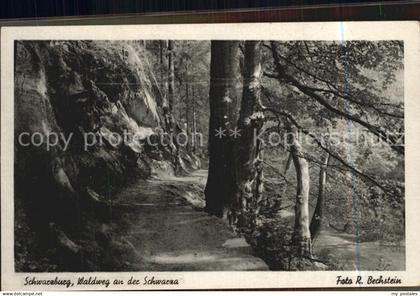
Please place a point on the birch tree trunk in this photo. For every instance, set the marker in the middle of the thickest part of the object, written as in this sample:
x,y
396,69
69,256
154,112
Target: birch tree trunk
x,y
301,235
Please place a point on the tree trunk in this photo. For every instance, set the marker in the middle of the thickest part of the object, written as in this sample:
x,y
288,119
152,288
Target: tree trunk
x,y
318,216
288,162
161,45
301,236
164,76
220,181
187,110
248,151
168,108
194,123
163,70
171,76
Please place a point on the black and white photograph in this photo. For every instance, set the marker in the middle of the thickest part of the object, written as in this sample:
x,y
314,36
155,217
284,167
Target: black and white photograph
x,y
223,154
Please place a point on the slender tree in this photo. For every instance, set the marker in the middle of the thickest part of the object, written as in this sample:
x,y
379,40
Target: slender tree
x,y
167,78
187,105
318,215
301,234
163,67
194,123
171,76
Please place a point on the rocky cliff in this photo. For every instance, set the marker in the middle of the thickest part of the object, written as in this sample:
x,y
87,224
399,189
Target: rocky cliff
x,y
88,119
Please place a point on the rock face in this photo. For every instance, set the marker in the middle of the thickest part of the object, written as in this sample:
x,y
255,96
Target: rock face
x,y
83,111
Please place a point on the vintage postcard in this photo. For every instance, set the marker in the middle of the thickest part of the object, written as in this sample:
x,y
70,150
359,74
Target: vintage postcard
x,y
210,156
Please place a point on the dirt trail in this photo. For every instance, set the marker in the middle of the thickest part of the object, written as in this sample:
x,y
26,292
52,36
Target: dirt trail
x,y
170,231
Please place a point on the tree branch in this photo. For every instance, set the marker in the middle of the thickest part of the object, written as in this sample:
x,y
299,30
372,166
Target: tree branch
x,y
282,75
332,154
334,90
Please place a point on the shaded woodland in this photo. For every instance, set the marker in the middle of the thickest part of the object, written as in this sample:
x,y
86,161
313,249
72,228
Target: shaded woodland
x,y
298,145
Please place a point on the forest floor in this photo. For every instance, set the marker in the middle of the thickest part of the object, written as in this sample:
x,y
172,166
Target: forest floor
x,y
344,250
169,230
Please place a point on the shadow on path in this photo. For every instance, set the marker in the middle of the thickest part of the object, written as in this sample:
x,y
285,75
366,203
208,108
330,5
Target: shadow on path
x,y
170,231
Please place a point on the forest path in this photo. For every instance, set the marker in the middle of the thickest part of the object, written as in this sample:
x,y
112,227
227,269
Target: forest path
x,y
169,230
361,255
